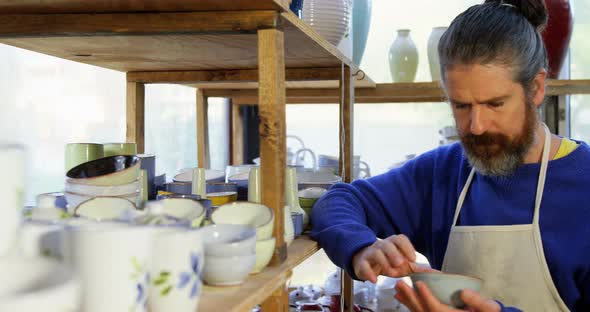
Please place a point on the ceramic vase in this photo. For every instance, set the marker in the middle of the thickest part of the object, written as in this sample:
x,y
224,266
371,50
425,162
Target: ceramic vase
x,y
361,23
403,57
330,18
557,34
433,60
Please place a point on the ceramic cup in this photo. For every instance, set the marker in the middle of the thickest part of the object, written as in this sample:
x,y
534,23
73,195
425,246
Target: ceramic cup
x,y
112,149
112,260
79,153
254,186
178,262
198,185
148,163
40,238
12,186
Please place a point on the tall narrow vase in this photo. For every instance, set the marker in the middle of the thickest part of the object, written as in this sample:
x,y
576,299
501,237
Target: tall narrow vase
x,y
557,34
361,23
403,57
433,60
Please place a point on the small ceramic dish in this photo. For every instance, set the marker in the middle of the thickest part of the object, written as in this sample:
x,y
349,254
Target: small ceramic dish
x,y
255,215
113,170
447,287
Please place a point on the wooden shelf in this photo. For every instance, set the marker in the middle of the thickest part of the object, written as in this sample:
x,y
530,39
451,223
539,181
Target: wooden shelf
x,y
382,92
183,41
258,287
103,6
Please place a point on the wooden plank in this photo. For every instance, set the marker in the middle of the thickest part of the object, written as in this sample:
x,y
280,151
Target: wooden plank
x,y
291,83
135,115
278,301
199,79
272,131
172,51
237,135
113,24
386,93
566,87
259,286
98,6
202,130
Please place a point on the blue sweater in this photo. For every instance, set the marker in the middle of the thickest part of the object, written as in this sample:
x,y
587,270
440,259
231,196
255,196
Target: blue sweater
x,y
419,200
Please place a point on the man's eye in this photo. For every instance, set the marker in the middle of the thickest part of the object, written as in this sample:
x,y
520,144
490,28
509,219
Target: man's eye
x,y
460,105
495,104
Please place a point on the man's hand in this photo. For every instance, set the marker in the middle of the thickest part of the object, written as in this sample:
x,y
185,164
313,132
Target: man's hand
x,y
394,256
421,299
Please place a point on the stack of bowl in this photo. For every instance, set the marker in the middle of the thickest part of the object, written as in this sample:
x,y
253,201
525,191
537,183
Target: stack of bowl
x,y
257,216
229,253
114,176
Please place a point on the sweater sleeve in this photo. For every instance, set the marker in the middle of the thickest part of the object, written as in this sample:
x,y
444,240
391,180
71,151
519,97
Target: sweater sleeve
x,y
351,216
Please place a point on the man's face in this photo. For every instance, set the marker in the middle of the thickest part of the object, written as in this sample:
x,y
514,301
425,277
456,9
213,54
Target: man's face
x,y
495,120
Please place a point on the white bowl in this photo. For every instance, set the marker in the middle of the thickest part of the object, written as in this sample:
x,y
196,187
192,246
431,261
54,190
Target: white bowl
x,y
104,208
75,199
186,175
222,240
184,208
264,251
228,271
255,215
97,190
37,284
447,287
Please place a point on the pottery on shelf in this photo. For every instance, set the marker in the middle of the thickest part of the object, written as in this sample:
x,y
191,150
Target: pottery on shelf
x,y
403,57
433,60
361,23
330,18
557,34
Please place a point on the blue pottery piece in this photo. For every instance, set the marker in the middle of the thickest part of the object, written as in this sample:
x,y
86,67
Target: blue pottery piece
x,y
361,23
296,6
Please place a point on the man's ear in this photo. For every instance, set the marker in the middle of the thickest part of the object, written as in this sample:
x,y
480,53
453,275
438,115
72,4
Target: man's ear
x,y
538,88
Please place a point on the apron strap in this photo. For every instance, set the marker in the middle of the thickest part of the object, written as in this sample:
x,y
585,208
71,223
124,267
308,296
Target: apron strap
x,y
463,195
542,174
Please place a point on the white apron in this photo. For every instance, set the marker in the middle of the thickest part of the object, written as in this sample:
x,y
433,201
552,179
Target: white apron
x,y
509,258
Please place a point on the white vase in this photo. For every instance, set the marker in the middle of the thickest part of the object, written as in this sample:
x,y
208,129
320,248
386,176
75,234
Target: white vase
x,y
330,18
433,60
403,57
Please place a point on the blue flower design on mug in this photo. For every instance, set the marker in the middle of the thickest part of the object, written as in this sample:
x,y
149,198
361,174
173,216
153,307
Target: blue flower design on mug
x,y
185,278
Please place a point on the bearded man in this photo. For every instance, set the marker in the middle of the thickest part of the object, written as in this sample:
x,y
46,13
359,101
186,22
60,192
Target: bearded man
x,y
510,203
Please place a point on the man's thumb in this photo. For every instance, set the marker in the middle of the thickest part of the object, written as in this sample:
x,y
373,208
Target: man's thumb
x,y
477,302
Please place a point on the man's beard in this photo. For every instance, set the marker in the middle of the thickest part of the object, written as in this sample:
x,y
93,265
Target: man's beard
x,y
496,154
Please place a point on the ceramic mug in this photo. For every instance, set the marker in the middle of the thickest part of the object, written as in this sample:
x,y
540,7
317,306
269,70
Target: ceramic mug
x,y
40,238
178,262
112,259
12,186
112,149
79,153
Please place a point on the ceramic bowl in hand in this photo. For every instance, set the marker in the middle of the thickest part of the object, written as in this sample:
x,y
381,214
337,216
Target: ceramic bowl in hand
x,y
113,170
447,287
255,215
222,240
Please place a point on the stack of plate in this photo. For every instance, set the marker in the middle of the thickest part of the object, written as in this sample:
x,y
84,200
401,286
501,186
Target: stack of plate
x,y
330,18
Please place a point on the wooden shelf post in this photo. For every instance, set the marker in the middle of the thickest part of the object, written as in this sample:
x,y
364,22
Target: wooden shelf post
x,y
237,135
136,115
346,163
202,130
271,93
